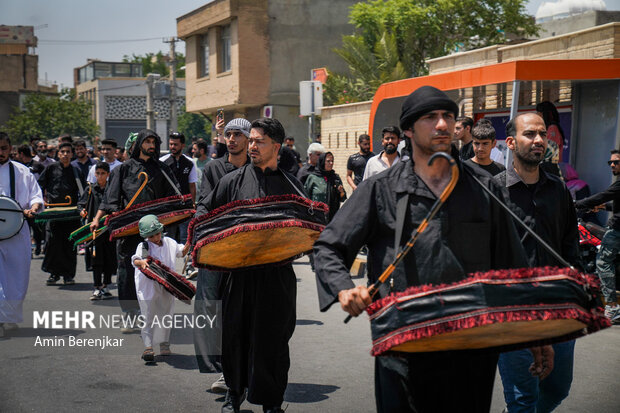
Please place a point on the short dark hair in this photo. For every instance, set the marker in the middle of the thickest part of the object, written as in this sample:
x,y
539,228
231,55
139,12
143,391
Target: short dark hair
x,y
177,135
466,121
363,137
5,137
271,127
201,144
483,130
65,145
25,150
103,165
79,142
615,152
65,137
390,129
289,138
511,126
110,142
120,148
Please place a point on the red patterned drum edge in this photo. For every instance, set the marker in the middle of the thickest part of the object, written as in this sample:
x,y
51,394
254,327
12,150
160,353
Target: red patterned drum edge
x,y
174,283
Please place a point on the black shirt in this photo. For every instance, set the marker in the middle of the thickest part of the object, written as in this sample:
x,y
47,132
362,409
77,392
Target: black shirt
x,y
493,168
304,171
180,168
212,173
357,164
467,151
35,168
547,208
610,194
84,167
469,233
58,182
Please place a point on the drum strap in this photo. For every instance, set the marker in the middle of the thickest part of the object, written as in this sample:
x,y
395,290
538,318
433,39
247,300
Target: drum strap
x,y
301,194
12,179
77,181
401,213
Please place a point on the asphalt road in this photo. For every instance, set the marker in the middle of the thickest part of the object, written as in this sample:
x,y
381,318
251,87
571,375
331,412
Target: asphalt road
x,y
331,369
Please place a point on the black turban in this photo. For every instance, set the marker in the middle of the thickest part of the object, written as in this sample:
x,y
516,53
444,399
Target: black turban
x,y
423,100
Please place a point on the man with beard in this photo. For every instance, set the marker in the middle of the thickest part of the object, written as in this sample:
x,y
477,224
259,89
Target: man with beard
x,y
547,206
462,132
209,288
200,150
57,181
388,157
357,162
469,233
258,305
42,153
108,149
610,245
123,184
315,150
184,169
18,183
82,161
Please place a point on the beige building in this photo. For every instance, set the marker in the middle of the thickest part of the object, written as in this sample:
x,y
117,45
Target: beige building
x,y
248,56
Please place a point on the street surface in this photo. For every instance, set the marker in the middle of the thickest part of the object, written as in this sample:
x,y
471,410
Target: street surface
x,y
331,369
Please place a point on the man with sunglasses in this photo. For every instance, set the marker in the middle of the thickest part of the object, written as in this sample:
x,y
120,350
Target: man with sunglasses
x,y
610,245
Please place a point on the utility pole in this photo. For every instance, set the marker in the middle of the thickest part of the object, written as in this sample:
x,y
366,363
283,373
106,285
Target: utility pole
x,y
172,62
150,114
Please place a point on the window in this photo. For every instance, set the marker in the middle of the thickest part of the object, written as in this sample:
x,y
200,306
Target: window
x,y
225,48
204,55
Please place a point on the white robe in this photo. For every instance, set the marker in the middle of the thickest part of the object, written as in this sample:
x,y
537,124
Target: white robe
x,y
15,252
155,302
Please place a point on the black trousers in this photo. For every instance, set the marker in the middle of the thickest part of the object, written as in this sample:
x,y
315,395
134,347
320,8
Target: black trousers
x,y
207,303
125,248
60,257
103,262
259,320
435,382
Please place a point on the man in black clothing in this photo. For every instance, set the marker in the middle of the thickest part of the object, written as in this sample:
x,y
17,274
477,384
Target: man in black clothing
x,y
610,245
123,184
184,170
469,233
462,132
210,284
258,305
59,180
290,143
483,142
315,150
356,164
547,206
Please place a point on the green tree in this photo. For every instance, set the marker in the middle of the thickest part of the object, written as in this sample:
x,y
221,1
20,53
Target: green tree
x,y
425,29
51,116
157,63
191,124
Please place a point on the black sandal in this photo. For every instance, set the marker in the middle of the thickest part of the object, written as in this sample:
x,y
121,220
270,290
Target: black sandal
x,y
148,354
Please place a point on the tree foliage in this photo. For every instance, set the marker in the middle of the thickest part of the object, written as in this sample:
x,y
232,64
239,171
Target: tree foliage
x,y
157,63
191,124
51,116
417,30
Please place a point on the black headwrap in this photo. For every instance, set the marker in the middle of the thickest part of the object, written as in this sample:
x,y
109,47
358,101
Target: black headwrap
x,y
142,135
320,166
423,100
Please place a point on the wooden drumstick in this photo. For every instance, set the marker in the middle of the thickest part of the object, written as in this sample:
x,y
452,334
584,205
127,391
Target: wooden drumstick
x,y
421,228
146,179
68,203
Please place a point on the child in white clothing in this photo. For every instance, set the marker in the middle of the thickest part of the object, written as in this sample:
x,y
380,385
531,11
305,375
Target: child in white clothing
x,y
155,302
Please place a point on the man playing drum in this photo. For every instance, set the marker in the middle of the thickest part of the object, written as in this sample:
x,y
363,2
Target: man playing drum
x,y
258,305
469,233
18,183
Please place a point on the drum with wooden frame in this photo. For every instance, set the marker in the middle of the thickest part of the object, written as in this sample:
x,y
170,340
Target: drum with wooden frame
x,y
252,233
11,217
170,210
174,283
504,310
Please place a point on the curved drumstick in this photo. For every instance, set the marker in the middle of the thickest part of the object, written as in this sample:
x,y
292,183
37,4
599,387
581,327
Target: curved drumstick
x,y
68,203
454,169
146,179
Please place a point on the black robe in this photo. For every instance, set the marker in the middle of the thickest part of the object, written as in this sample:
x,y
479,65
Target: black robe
x,y
58,182
258,305
469,233
210,284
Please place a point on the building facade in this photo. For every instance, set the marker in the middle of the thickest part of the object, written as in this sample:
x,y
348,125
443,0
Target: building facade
x,y
117,91
247,56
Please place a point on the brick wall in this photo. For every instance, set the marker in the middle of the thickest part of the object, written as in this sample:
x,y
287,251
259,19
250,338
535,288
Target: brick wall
x,y
340,127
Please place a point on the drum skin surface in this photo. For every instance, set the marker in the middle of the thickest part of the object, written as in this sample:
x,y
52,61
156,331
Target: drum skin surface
x,y
11,217
501,310
254,233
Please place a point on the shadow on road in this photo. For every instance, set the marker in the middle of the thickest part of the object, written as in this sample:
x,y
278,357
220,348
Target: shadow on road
x,y
308,322
308,392
179,361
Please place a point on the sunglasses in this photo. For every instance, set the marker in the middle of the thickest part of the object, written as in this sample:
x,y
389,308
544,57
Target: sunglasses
x,y
614,163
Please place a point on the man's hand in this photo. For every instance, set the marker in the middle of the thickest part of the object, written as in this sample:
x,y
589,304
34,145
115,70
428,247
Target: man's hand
x,y
355,300
598,208
186,248
30,213
543,361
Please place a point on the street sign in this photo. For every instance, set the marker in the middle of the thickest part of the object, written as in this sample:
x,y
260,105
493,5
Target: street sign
x,y
310,97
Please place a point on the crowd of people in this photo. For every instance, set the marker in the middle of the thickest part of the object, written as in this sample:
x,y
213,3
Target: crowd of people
x,y
255,159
